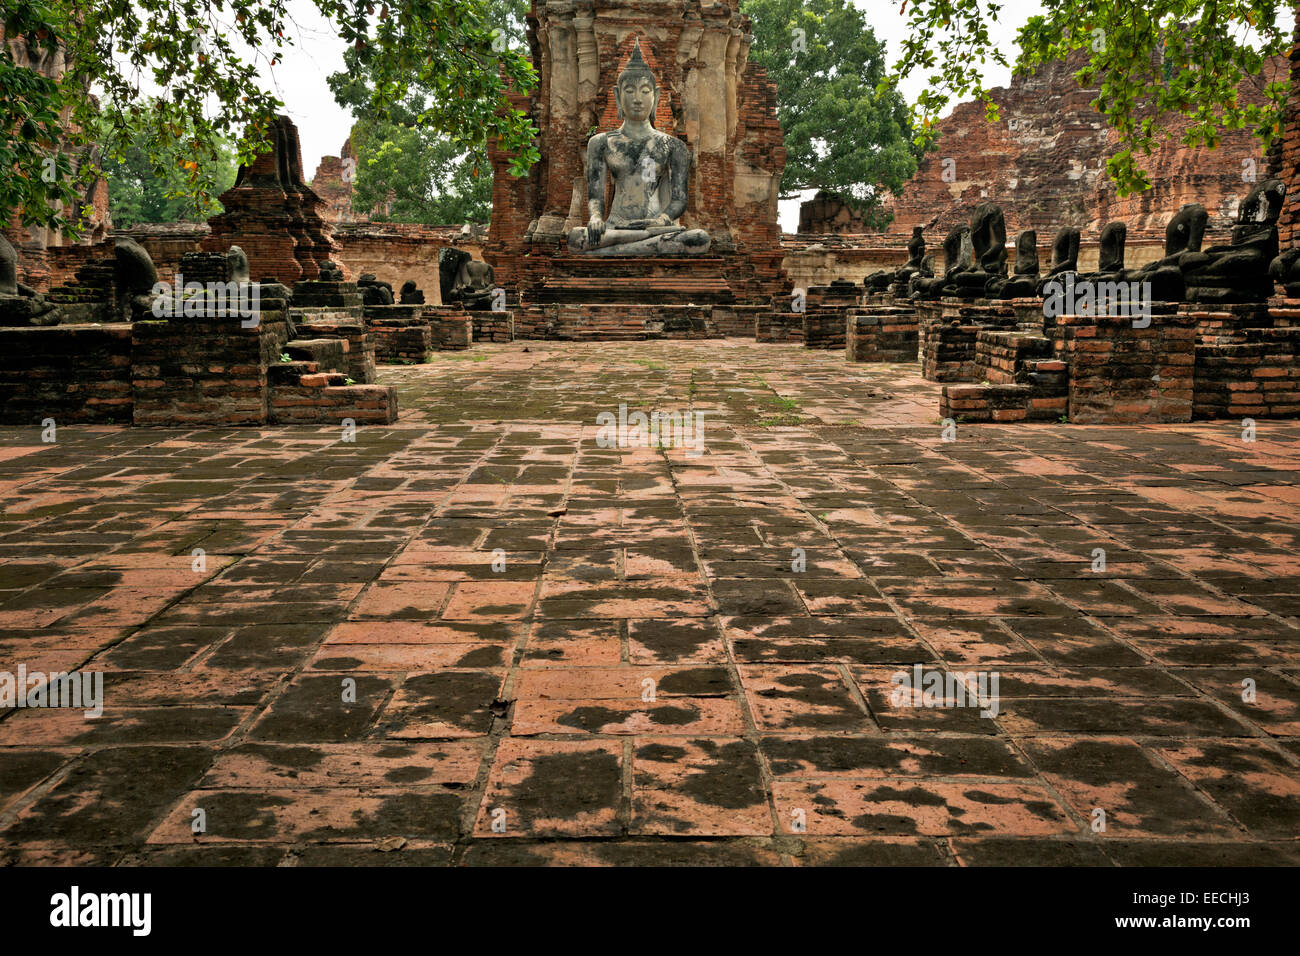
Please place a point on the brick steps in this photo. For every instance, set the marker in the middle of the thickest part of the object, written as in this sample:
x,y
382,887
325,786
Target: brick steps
x,y
330,353
1025,381
318,403
300,393
360,352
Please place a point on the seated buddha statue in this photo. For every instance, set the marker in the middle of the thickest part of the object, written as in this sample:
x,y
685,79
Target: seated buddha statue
x,y
650,170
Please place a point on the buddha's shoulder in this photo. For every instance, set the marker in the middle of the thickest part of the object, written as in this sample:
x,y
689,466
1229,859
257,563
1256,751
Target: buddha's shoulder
x,y
674,145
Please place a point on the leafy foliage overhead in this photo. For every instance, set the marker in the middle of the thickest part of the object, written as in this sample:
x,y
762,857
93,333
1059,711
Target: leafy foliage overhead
x,y
1147,58
408,174
138,193
407,171
202,59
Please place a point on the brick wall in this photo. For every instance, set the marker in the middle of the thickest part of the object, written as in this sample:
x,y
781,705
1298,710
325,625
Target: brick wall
x,y
1285,162
882,333
1257,378
737,320
948,352
491,326
321,401
71,373
401,341
773,326
1121,374
828,213
1000,356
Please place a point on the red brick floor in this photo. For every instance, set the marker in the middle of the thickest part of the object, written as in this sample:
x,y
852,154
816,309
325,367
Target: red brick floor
x,y
478,637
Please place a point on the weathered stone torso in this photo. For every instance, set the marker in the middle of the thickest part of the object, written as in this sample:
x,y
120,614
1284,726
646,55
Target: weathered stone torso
x,y
638,167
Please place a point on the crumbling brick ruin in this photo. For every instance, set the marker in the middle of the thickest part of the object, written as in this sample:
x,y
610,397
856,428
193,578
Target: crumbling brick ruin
x,y
273,215
828,214
333,183
1044,162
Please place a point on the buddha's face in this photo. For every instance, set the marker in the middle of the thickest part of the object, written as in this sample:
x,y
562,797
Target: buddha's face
x,y
637,95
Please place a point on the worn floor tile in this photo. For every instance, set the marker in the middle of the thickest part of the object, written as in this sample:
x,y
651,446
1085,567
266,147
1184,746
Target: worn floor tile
x,y
700,787
933,809
553,788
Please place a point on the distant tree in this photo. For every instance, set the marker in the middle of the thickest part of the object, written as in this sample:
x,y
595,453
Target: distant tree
x,y
1148,58
143,189
417,176
203,56
847,128
413,171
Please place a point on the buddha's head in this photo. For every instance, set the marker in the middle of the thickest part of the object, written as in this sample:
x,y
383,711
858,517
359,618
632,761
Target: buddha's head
x,y
637,92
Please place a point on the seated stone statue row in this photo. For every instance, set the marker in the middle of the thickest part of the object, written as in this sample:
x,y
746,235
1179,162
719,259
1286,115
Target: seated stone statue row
x,y
975,258
135,278
975,263
1240,270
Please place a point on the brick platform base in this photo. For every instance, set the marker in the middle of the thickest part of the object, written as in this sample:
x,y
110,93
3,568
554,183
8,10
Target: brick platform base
x,y
71,373
401,341
1246,360
602,322
450,329
881,333
185,371
778,327
824,329
1257,378
492,326
1021,379
1120,374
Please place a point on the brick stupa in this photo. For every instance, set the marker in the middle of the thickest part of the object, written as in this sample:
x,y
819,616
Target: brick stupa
x,y
273,215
